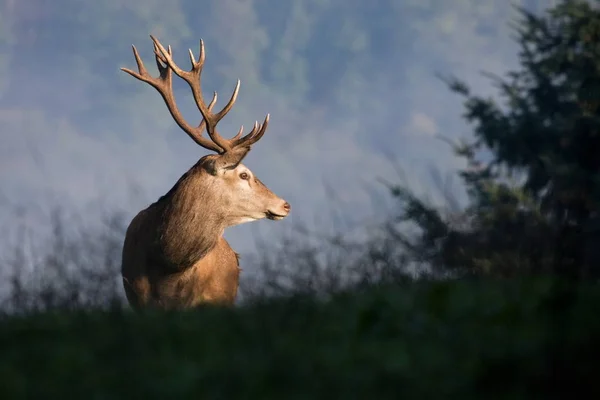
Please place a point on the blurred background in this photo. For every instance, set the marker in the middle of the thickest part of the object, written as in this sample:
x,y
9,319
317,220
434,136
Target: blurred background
x,y
350,85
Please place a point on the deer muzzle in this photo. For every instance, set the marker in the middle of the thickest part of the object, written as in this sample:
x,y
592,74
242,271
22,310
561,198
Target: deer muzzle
x,y
280,212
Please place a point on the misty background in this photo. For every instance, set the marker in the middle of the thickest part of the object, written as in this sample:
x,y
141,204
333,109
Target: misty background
x,y
350,86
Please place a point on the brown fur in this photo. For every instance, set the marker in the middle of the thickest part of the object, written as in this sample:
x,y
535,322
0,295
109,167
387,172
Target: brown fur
x,y
174,255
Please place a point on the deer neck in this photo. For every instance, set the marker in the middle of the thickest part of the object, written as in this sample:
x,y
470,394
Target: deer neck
x,y
191,224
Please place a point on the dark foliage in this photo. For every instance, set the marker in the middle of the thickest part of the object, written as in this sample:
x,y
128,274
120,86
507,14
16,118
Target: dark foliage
x,y
534,205
429,340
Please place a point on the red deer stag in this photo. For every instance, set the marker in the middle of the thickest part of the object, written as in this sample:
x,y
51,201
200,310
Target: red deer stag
x,y
174,254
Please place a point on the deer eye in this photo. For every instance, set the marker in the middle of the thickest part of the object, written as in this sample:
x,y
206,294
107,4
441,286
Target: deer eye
x,y
244,176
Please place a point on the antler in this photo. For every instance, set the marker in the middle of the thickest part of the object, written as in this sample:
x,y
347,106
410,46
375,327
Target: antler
x,y
163,84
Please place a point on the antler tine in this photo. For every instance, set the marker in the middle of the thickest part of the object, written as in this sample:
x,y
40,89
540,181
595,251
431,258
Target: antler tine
x,y
255,134
237,135
202,124
163,84
161,63
142,70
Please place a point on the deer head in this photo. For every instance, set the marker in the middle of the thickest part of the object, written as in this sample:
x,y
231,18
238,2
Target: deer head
x,y
231,191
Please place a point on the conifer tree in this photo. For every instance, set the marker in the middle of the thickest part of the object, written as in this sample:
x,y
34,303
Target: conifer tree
x,y
533,207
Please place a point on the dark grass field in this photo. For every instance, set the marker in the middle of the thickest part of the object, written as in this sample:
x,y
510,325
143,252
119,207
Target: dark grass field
x,y
476,340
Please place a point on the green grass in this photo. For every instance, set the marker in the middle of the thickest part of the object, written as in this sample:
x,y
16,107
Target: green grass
x,y
445,340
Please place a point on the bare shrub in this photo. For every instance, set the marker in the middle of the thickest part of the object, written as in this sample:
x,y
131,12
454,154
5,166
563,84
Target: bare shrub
x,y
306,263
74,265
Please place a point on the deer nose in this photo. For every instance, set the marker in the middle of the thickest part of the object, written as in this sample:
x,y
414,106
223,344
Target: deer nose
x,y
287,206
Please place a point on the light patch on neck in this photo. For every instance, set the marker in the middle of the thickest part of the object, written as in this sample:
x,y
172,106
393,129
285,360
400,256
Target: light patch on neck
x,y
243,220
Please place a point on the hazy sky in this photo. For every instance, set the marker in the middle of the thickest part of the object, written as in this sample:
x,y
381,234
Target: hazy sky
x,y
346,82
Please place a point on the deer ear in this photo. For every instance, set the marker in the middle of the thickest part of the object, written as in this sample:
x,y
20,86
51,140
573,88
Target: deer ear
x,y
231,159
